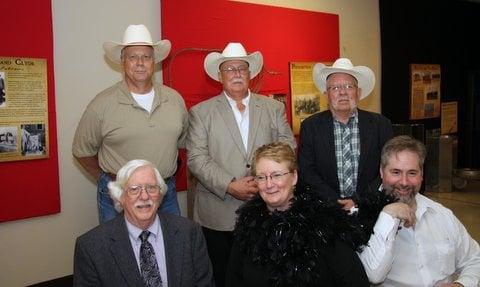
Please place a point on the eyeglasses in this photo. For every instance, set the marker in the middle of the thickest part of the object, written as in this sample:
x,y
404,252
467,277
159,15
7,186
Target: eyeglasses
x,y
137,58
243,70
135,190
337,88
275,177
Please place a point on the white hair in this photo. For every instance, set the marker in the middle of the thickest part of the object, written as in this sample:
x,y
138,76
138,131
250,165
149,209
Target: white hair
x,y
117,187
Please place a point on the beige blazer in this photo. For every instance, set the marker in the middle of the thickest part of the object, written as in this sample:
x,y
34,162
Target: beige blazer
x,y
216,153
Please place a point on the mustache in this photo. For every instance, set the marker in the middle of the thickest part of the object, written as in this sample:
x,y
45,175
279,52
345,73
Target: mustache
x,y
237,81
399,186
344,98
392,189
143,203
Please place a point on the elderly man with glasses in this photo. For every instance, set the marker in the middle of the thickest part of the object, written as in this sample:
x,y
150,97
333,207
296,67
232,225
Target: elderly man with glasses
x,y
141,247
223,134
340,148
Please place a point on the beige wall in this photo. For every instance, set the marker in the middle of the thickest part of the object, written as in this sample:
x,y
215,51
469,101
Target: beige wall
x,y
40,249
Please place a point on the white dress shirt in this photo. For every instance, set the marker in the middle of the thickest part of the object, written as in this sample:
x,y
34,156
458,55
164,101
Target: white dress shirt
x,y
242,119
437,250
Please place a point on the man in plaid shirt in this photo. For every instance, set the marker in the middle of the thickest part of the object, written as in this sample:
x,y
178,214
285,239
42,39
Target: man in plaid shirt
x,y
340,148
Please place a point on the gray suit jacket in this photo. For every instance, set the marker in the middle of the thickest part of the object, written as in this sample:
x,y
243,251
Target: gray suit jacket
x,y
104,255
216,153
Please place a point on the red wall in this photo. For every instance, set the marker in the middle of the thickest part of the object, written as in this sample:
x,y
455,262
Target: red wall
x,y
282,35
30,188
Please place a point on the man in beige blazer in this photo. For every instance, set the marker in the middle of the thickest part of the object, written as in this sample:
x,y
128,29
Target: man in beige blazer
x,y
224,133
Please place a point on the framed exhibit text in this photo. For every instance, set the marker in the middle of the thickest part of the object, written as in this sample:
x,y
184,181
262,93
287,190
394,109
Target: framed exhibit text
x,y
23,109
449,120
306,98
424,91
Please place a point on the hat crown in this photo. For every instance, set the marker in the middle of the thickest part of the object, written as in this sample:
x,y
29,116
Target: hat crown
x,y
234,50
137,34
364,75
343,63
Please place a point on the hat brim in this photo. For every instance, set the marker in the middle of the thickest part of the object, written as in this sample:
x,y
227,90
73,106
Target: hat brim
x,y
214,60
113,50
364,75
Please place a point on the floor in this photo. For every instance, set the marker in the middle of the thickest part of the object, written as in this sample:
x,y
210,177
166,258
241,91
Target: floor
x,y
465,204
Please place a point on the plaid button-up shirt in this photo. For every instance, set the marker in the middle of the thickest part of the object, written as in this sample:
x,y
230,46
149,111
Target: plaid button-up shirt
x,y
338,129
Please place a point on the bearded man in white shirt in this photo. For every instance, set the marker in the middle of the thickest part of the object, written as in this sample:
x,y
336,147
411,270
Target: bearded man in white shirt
x,y
416,241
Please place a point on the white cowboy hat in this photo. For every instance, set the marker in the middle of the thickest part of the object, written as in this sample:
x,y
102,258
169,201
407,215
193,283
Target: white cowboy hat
x,y
233,51
364,75
137,35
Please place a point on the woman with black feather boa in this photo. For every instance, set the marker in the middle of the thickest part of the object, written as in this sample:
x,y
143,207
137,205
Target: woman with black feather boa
x,y
292,237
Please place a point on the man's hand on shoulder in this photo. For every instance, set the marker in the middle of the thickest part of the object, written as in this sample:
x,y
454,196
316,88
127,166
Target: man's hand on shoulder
x,y
243,188
401,211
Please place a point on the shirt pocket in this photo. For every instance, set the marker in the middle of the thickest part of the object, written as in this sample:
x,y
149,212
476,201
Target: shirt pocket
x,y
445,258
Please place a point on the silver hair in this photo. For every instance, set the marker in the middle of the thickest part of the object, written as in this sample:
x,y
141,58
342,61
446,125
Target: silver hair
x,y
117,187
403,143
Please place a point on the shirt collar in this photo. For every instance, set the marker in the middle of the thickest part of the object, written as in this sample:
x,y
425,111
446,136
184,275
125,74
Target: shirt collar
x,y
353,117
134,231
232,102
423,205
126,97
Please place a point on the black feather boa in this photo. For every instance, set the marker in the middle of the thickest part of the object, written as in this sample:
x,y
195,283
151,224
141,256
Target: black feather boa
x,y
292,242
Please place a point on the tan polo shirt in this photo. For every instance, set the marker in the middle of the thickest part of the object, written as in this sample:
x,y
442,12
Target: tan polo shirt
x,y
119,130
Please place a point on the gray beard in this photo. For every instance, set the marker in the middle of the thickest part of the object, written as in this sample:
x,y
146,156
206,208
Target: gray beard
x,y
407,199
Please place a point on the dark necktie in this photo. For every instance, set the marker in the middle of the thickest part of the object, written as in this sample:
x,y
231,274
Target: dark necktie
x,y
148,262
347,157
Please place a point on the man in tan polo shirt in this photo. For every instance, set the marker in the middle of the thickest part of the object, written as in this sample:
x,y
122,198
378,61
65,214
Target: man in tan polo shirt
x,y
133,119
